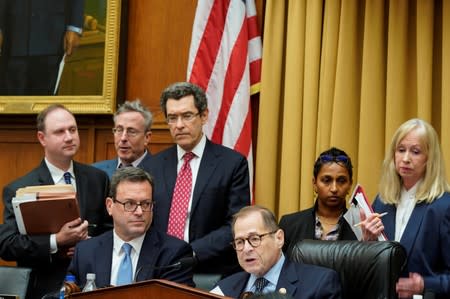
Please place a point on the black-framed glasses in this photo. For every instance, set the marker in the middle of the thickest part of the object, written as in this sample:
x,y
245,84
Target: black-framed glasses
x,y
185,117
131,206
338,159
254,240
130,132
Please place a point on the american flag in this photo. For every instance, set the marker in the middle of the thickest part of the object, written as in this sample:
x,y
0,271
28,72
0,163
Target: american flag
x,y
225,60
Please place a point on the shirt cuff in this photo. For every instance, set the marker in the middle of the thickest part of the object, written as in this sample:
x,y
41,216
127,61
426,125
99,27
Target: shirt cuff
x,y
75,29
53,245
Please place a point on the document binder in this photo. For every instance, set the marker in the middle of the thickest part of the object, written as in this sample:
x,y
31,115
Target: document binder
x,y
44,209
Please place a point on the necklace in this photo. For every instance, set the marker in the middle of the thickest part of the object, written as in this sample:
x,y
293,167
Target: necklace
x,y
321,219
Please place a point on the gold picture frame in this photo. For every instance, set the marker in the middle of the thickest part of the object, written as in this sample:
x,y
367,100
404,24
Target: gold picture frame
x,y
103,103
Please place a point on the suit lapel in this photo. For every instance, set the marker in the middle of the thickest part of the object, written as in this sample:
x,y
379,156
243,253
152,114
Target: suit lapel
x,y
81,180
147,257
44,175
288,279
389,221
103,256
206,169
413,226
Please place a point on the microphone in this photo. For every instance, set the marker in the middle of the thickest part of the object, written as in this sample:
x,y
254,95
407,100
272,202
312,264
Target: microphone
x,y
183,263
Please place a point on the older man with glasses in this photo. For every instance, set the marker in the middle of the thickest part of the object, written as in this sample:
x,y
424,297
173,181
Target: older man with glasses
x,y
132,133
132,251
258,242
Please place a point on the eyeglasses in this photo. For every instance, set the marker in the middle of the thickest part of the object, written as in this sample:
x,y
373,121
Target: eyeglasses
x,y
185,117
131,206
338,159
130,132
253,240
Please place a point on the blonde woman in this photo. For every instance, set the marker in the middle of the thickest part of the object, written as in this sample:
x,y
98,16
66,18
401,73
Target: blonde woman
x,y
415,193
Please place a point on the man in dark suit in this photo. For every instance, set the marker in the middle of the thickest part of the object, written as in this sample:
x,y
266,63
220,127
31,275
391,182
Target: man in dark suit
x,y
152,252
49,255
36,34
258,242
219,181
132,132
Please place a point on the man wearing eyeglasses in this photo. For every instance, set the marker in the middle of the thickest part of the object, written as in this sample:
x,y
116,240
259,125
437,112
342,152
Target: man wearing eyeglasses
x,y
258,242
132,132
132,251
199,185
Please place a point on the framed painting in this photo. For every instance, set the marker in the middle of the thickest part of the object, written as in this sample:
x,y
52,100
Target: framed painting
x,y
88,80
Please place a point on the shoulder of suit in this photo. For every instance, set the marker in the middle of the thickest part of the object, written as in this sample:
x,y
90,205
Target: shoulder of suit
x,y
105,163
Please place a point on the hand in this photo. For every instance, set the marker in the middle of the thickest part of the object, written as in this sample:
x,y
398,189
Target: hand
x,y
72,232
407,287
371,226
71,41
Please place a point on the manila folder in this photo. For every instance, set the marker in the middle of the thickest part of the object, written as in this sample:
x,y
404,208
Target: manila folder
x,y
48,215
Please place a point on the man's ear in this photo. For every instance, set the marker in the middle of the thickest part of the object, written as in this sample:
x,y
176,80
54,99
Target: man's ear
x,y
279,236
109,202
41,137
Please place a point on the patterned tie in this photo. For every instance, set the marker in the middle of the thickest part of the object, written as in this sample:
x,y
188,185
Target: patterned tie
x,y
260,284
67,178
125,274
180,199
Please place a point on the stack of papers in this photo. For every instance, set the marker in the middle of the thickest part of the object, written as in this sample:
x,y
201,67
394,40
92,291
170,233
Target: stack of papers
x,y
44,209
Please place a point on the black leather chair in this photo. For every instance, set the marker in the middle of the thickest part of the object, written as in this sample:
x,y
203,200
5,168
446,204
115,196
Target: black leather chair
x,y
368,270
14,281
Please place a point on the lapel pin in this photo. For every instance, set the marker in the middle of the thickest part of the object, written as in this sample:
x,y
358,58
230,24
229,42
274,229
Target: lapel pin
x,y
282,291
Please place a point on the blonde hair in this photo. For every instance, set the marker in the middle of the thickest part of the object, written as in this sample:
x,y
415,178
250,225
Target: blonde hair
x,y
434,182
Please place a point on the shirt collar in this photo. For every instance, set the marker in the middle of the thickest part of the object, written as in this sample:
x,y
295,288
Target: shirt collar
x,y
197,150
135,163
272,275
58,174
135,243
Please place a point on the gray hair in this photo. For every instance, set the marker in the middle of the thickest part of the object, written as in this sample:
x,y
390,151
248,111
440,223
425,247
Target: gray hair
x,y
136,106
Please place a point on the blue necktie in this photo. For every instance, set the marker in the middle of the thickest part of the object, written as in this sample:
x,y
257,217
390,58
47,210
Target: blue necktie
x,y
125,274
260,284
67,178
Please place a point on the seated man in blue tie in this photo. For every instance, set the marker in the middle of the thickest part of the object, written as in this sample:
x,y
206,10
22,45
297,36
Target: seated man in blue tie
x,y
132,124
132,251
258,241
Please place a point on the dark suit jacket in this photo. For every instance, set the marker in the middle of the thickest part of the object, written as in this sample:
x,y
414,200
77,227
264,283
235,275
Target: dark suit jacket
x,y
37,27
301,225
34,251
158,250
110,166
221,190
301,281
426,239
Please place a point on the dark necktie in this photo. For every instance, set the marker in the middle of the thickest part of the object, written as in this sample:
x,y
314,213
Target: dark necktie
x,y
260,284
67,179
180,199
125,274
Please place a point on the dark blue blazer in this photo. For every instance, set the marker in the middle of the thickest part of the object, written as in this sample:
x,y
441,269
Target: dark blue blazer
x,y
426,239
301,281
158,250
34,251
221,190
110,166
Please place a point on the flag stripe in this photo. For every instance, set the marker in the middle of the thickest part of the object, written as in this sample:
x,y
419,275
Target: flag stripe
x,y
225,60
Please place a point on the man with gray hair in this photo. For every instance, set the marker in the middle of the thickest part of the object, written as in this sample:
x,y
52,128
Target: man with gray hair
x,y
258,242
132,132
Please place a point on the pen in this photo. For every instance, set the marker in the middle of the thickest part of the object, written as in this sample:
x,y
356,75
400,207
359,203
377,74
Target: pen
x,y
379,216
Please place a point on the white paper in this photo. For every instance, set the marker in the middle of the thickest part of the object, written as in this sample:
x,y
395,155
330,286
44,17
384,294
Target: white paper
x,y
358,201
60,71
16,201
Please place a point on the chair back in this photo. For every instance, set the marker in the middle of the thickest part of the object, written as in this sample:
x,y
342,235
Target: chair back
x,y
367,270
14,280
